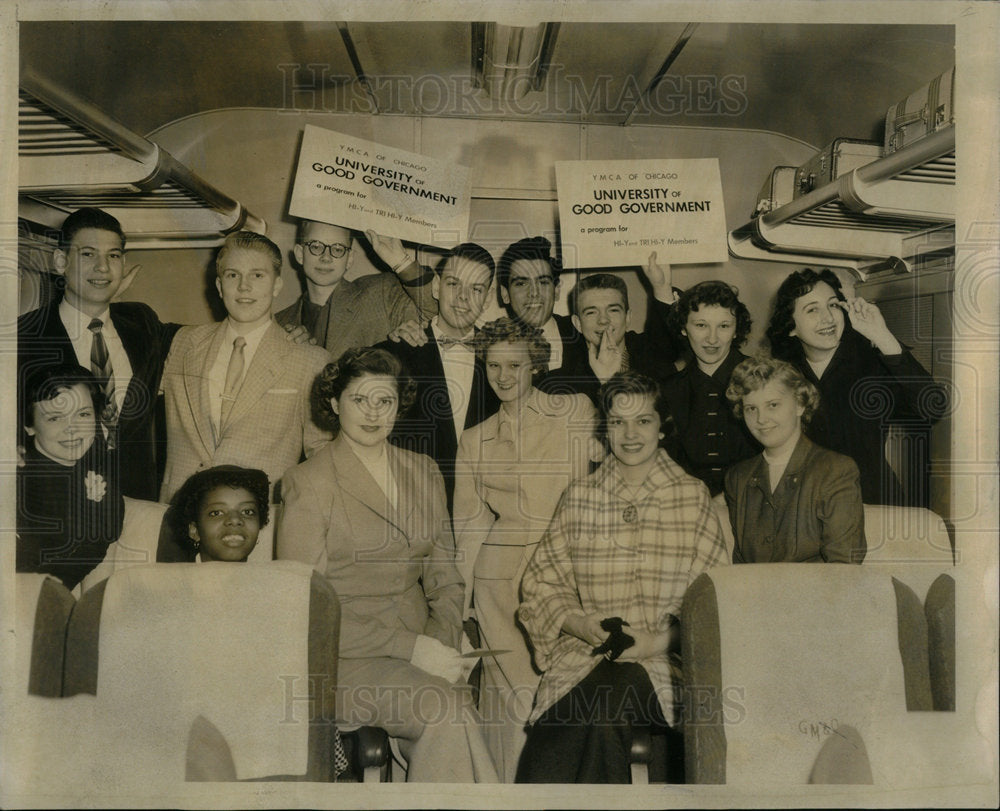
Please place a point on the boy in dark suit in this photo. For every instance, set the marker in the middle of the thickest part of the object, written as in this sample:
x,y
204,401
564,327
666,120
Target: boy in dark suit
x,y
123,343
452,392
528,284
600,308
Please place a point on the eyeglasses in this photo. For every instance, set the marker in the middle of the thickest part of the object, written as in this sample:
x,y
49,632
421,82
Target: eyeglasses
x,y
317,248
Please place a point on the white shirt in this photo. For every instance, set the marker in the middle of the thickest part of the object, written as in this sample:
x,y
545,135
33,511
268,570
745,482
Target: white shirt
x,y
76,324
459,364
550,332
776,464
217,374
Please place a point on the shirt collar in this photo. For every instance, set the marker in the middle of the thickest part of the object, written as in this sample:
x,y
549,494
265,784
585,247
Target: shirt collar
x,y
252,338
70,315
438,334
663,474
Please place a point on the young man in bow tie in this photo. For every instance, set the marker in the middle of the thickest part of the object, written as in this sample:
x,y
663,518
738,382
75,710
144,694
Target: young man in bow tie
x,y
452,391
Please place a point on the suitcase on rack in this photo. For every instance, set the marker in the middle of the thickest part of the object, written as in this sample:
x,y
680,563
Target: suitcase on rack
x,y
838,158
777,190
929,109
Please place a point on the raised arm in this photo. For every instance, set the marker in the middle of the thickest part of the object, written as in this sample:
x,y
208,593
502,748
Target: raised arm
x,y
414,279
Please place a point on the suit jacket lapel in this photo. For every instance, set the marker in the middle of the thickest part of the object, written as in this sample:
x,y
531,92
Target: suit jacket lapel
x,y
266,365
355,480
197,364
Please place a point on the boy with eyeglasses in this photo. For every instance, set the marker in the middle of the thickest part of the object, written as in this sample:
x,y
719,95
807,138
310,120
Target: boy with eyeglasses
x,y
342,313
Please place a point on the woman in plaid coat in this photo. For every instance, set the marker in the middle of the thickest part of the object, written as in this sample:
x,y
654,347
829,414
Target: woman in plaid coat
x,y
624,543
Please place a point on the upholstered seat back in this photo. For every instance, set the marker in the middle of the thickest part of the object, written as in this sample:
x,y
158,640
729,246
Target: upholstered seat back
x,y
777,657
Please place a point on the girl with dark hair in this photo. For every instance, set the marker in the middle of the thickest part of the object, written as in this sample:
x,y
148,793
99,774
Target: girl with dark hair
x,y
372,519
69,505
219,512
714,322
608,578
510,472
795,501
866,379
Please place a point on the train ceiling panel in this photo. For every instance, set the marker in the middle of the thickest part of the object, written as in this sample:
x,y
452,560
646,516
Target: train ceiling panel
x,y
810,82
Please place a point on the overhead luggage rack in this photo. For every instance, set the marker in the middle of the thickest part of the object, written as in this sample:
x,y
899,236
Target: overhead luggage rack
x,y
880,217
71,155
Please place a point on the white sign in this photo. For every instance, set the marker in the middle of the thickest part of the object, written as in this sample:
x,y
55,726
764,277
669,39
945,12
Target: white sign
x,y
360,184
615,213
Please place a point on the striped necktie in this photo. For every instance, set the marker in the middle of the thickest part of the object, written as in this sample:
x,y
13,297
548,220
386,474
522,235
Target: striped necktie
x,y
100,365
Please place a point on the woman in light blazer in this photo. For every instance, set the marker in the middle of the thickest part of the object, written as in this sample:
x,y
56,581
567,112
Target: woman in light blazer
x,y
372,519
511,470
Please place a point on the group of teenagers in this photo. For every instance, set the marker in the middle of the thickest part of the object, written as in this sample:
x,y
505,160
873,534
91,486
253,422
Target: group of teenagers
x,y
550,476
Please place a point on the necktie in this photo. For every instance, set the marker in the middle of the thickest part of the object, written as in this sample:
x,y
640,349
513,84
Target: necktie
x,y
234,373
100,365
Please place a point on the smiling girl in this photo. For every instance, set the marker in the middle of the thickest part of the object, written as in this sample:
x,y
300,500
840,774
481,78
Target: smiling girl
x,y
69,506
510,472
625,542
866,379
795,501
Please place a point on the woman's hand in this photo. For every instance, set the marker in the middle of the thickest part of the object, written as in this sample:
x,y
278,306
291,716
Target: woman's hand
x,y
647,645
436,658
586,627
867,319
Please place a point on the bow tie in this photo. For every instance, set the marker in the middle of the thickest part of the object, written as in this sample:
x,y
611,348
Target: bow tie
x,y
446,343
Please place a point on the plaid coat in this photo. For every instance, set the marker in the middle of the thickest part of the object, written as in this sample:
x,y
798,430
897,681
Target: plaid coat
x,y
592,561
270,424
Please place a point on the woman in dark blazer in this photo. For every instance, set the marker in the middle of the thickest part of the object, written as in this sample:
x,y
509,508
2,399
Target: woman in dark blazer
x,y
866,379
372,519
796,501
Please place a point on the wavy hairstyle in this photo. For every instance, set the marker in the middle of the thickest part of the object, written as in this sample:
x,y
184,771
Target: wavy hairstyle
x,y
511,331
797,284
355,363
756,372
633,384
531,249
47,382
708,294
597,281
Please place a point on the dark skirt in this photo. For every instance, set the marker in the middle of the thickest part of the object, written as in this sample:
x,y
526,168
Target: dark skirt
x,y
586,736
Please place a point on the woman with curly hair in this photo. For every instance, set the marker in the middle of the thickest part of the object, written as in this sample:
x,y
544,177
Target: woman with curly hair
x,y
866,379
510,472
714,322
372,519
796,501
219,512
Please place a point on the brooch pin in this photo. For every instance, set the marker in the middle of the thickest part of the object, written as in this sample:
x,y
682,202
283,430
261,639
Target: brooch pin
x,y
630,514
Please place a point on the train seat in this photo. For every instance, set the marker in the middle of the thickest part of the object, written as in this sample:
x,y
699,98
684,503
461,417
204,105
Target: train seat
x,y
779,657
211,653
42,610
